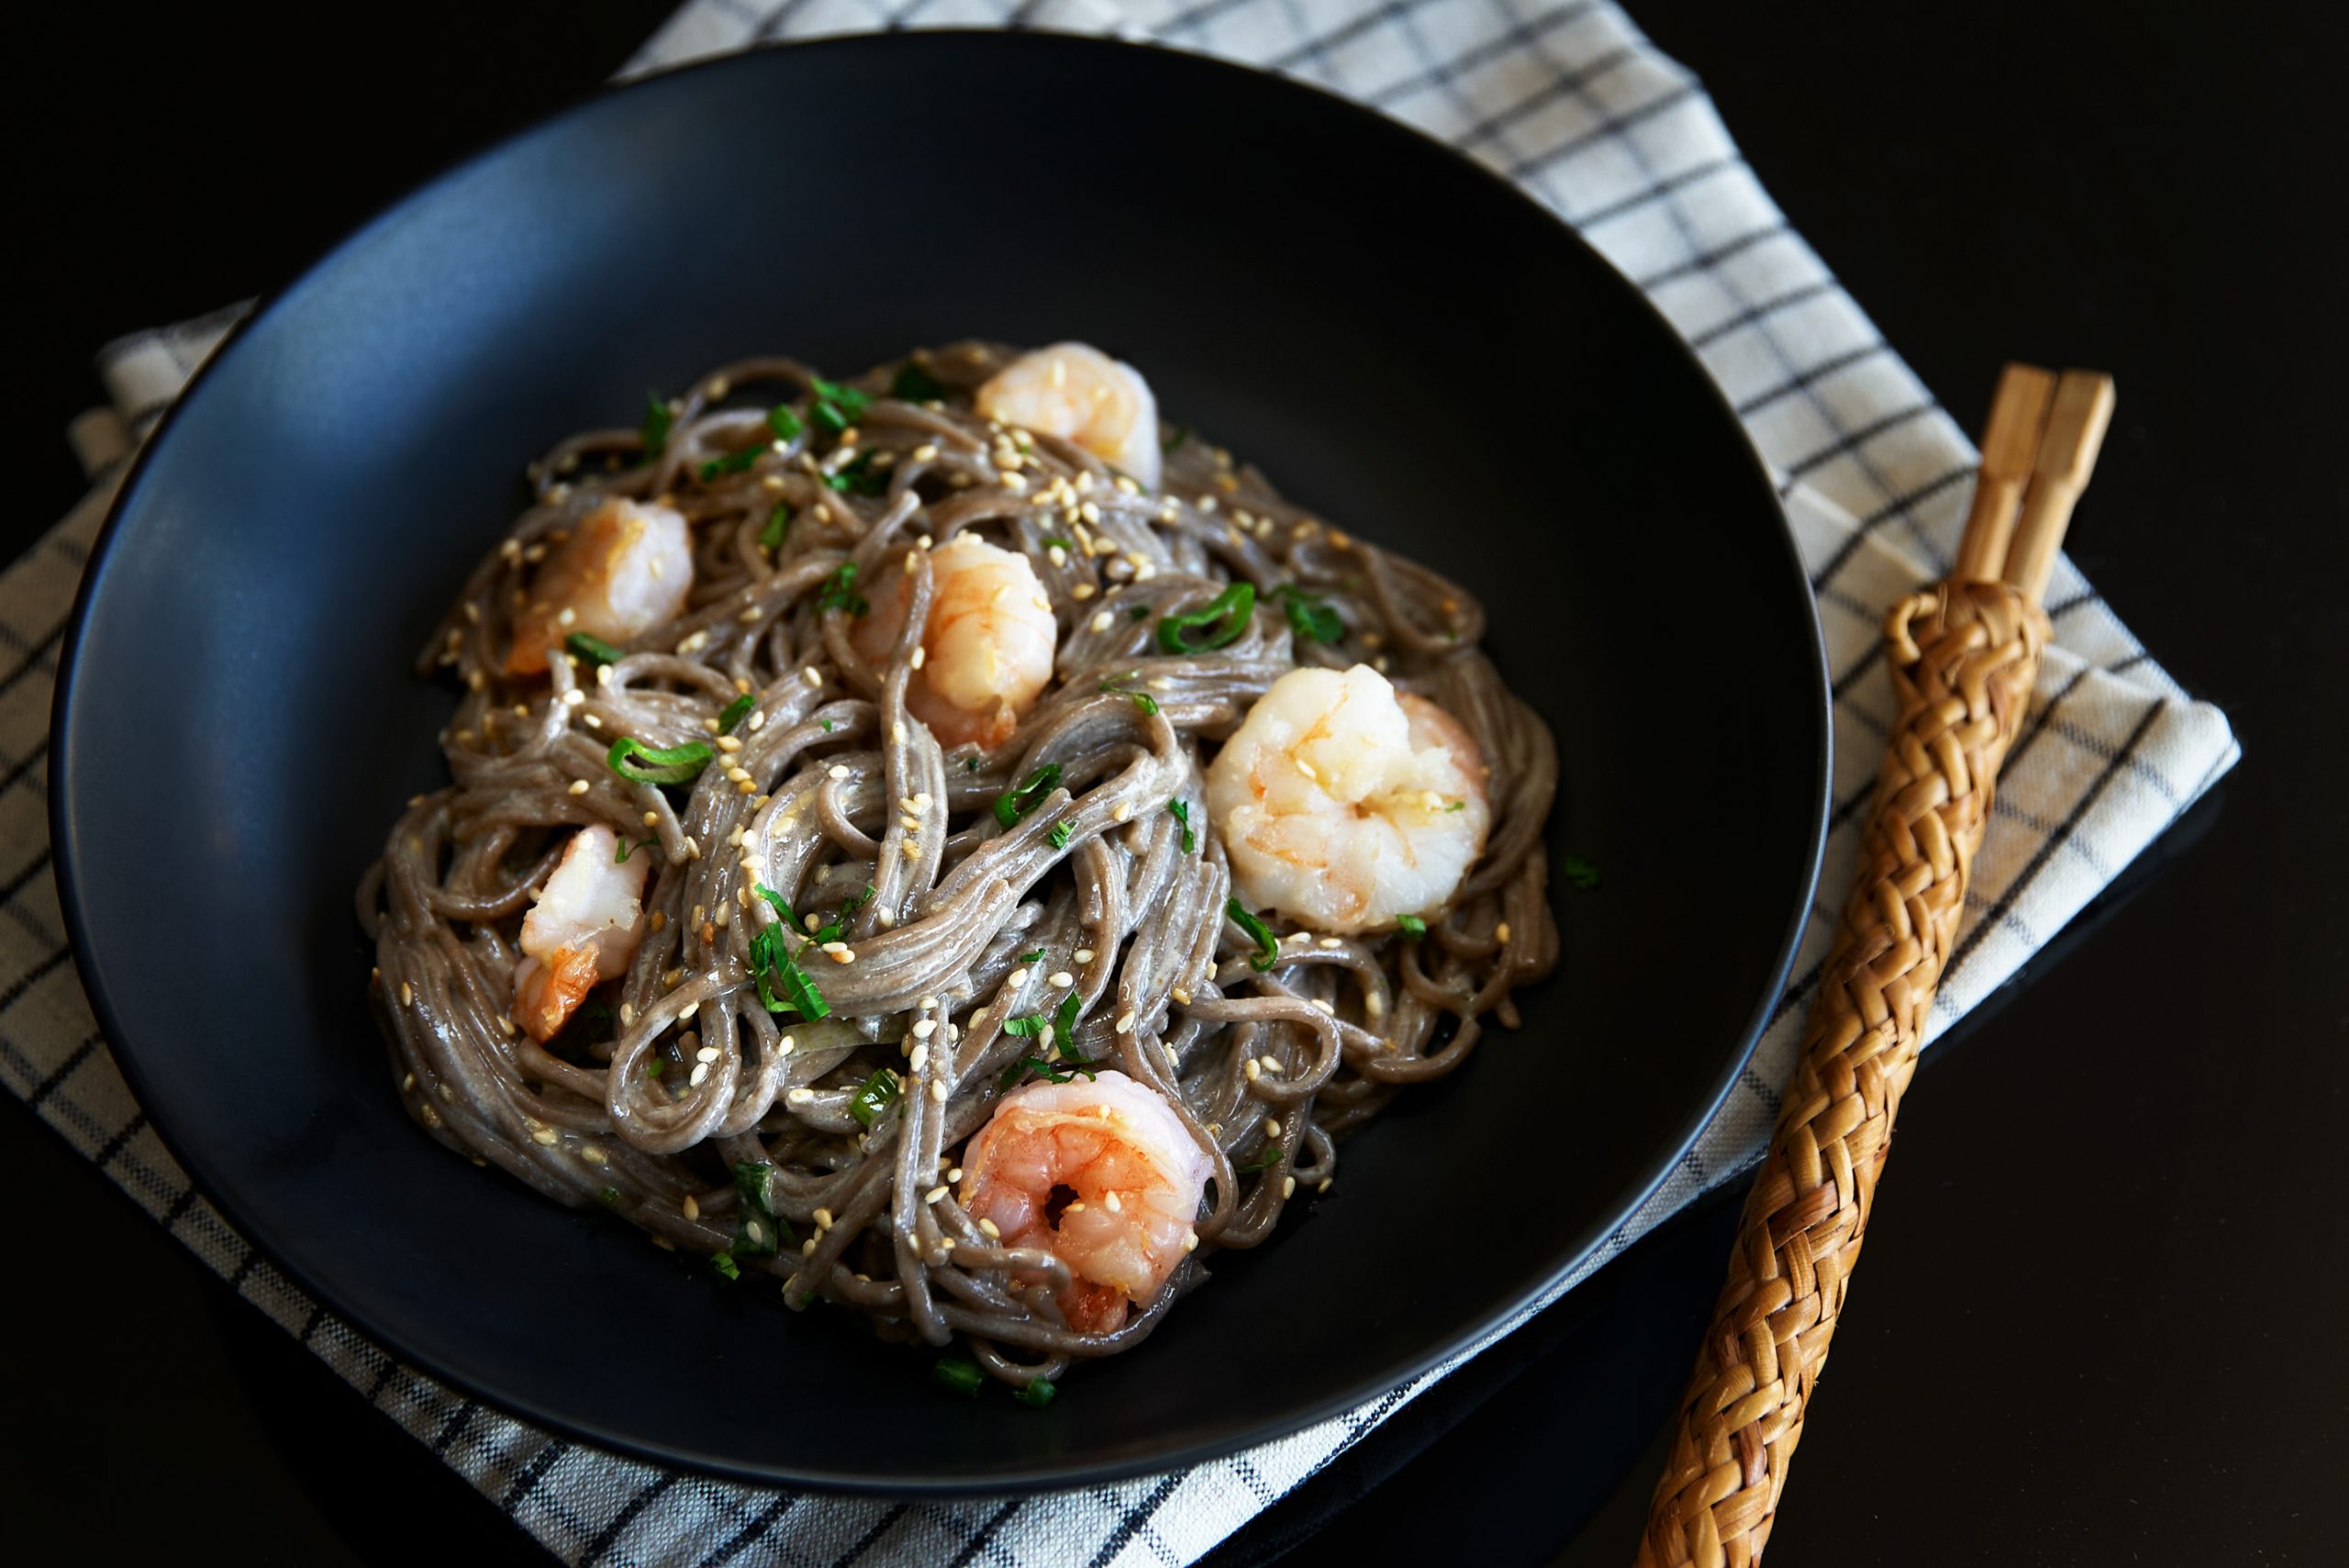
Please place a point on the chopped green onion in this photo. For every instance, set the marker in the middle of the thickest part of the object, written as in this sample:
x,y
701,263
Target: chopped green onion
x,y
838,592
1137,612
609,1196
1036,1394
1580,869
961,1376
837,406
971,764
758,1228
1181,810
735,713
1261,1162
654,1067
784,422
1059,835
827,724
778,525
593,650
732,462
1063,1026
1142,700
1011,806
1411,926
833,932
1457,805
783,987
621,855
1052,540
1175,438
654,431
880,1092
724,1264
857,478
915,384
1310,619
1028,1025
1222,619
1268,947
1031,956
639,763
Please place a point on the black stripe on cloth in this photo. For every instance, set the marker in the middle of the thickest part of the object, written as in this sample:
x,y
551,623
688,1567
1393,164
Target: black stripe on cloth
x,y
16,884
63,1070
34,653
1137,1515
1851,442
1200,15
34,977
120,1141
454,1425
1705,260
2064,829
614,1527
985,1533
1843,553
1521,34
1566,85
527,1479
1613,125
19,769
1816,373
1656,190
1753,315
754,1531
864,1543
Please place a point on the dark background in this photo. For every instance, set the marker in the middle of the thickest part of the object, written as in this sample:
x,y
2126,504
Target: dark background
x,y
2101,1313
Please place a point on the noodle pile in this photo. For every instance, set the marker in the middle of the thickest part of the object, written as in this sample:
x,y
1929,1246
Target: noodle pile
x,y
815,1150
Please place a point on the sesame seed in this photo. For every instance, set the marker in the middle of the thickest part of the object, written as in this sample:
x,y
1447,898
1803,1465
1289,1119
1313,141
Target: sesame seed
x,y
1181,995
1500,933
545,1135
924,1027
933,1195
1124,813
1271,1064
1254,1069
1288,1186
810,676
912,849
1327,943
568,618
1272,1127
701,1072
990,1227
799,1097
407,995
1111,1201
925,453
1083,591
807,1248
706,1053
407,1084
1076,1208
1126,1021
839,953
897,731
1012,482
784,1046
728,743
938,1090
1061,979
574,697
920,657
918,1057
578,787
1016,978
837,771
1190,1241
1325,1006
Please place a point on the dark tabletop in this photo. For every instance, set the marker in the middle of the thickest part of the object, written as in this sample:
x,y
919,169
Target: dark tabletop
x,y
2100,1314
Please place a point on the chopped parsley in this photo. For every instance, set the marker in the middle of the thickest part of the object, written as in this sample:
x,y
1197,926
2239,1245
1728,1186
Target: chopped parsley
x,y
778,525
1181,810
1411,926
654,431
837,406
1066,1064
1055,541
639,763
1265,1161
880,1092
1036,1394
1580,869
1031,956
621,855
1013,805
1268,947
757,1228
838,592
593,650
735,712
958,1374
732,462
832,933
915,384
857,478
654,1067
609,1197
1310,619
1220,621
1142,699
784,422
1059,835
783,987
1137,612
724,1264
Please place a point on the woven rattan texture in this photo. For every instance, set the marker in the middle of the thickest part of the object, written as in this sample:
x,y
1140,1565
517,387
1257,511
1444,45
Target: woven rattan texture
x,y
1963,658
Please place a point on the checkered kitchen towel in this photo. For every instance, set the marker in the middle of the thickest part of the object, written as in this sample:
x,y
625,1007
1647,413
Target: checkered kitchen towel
x,y
1567,99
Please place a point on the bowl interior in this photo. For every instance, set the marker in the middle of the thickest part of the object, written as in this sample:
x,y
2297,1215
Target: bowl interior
x,y
1406,344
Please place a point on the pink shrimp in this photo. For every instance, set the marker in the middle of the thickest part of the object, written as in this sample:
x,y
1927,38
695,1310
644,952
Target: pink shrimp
x,y
584,928
627,569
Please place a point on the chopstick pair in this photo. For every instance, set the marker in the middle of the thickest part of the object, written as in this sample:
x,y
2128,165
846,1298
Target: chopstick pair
x,y
1964,656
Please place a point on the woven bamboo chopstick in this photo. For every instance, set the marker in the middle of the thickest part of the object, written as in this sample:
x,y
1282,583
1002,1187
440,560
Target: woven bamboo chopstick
x,y
1963,655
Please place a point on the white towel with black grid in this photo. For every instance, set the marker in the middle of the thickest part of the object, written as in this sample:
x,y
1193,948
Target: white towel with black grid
x,y
1571,101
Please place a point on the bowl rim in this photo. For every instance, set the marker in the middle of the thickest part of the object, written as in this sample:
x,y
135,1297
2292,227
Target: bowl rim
x,y
1495,1320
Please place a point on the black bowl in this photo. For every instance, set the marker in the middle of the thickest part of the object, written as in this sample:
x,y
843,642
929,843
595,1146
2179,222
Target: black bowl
x,y
1408,344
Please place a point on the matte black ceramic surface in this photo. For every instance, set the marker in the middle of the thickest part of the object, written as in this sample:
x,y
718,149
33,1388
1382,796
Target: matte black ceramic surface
x,y
1406,345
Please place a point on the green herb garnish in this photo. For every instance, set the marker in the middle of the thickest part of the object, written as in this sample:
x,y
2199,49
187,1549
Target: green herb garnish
x,y
838,592
1051,540
1059,835
758,1228
1411,926
1268,947
1033,956
1220,621
827,724
832,933
654,431
1063,1023
915,385
784,422
735,712
1173,438
1036,1394
595,650
1137,612
1457,805
732,462
724,1264
958,1374
1580,869
1261,1162
1310,619
1011,806
778,525
653,1068
621,855
857,478
639,763
880,1092
837,406
783,987
609,1197
1181,810
1142,699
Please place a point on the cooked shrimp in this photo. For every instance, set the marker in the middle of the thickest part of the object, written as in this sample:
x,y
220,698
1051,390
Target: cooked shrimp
x,y
1343,803
1103,1175
1079,393
987,648
626,569
583,929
